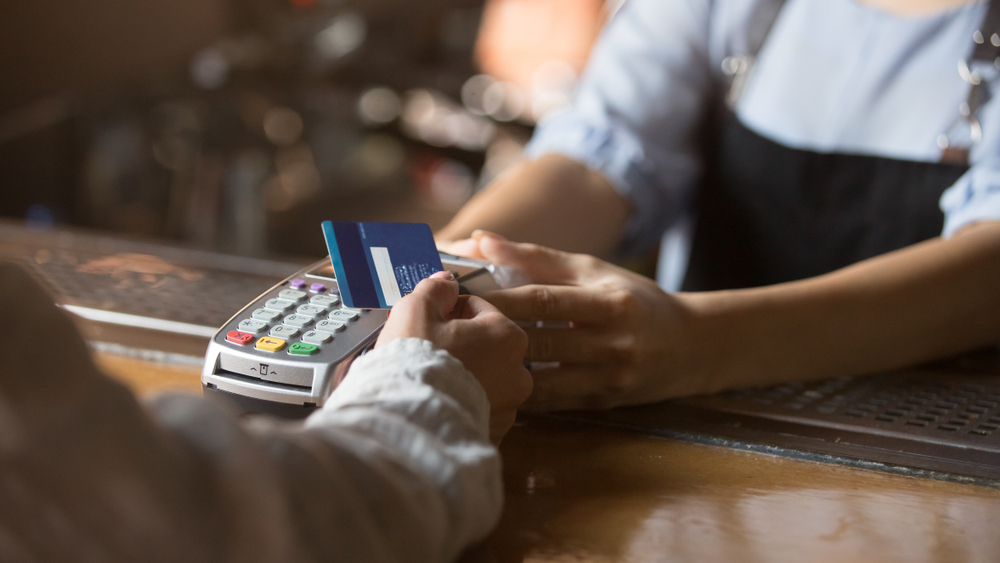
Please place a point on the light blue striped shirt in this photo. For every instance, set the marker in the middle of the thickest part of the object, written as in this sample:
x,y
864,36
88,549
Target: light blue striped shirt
x,y
833,76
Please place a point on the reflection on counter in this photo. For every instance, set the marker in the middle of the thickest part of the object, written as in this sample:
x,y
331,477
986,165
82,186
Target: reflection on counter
x,y
579,493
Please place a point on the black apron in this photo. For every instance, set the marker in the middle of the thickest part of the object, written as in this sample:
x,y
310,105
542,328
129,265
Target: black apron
x,y
768,214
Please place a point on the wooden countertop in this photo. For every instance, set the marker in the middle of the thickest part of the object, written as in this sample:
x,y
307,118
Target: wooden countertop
x,y
578,493
586,493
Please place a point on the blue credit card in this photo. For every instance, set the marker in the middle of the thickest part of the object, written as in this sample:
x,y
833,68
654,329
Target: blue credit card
x,y
378,263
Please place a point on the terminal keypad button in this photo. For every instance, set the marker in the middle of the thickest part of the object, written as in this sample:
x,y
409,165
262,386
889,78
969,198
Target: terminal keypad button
x,y
317,337
270,344
330,326
317,288
297,284
325,300
251,326
241,338
280,305
265,315
303,349
344,315
284,331
292,295
298,321
310,310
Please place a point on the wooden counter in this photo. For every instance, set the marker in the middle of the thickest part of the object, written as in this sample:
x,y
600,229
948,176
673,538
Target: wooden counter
x,y
585,493
578,493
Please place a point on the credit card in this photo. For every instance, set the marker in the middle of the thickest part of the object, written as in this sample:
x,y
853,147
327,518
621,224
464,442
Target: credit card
x,y
376,264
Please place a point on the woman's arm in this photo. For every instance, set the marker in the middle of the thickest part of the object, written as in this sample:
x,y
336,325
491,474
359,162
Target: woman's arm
x,y
920,303
621,164
630,342
543,201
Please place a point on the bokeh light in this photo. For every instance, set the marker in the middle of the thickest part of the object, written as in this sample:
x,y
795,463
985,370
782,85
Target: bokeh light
x,y
283,126
378,106
344,34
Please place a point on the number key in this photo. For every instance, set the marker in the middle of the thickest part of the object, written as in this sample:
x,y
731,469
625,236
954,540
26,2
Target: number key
x,y
298,321
280,305
265,315
330,326
292,295
252,326
310,310
325,300
283,331
344,315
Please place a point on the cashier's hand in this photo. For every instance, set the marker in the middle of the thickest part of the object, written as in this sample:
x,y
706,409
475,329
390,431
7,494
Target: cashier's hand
x,y
625,342
487,343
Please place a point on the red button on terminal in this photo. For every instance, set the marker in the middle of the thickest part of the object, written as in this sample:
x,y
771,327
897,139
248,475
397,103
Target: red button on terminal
x,y
241,338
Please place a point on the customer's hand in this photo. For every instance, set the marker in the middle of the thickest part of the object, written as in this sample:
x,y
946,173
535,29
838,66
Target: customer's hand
x,y
490,345
627,341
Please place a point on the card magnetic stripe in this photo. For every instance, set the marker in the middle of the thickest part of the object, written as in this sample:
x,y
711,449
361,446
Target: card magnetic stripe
x,y
344,241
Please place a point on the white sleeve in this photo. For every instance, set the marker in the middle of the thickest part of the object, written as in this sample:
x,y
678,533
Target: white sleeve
x,y
396,467
974,197
420,421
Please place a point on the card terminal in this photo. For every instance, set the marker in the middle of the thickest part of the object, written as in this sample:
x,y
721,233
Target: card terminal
x,y
285,352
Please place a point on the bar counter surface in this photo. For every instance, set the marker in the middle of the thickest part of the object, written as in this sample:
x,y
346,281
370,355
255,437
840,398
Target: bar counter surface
x,y
577,492
585,492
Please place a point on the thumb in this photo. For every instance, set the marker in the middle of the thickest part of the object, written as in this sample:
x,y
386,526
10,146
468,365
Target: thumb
x,y
437,295
542,265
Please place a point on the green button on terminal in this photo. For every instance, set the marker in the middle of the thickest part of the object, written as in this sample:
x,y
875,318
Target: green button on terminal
x,y
303,349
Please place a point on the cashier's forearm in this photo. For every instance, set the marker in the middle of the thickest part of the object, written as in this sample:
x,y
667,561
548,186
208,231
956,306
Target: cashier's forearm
x,y
553,201
922,302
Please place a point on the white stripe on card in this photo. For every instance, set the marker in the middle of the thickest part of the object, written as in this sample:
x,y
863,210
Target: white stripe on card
x,y
386,275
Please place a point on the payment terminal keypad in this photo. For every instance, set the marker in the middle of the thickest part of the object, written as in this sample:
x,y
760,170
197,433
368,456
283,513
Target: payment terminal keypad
x,y
297,321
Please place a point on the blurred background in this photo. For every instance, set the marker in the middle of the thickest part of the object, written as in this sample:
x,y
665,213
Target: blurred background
x,y
239,125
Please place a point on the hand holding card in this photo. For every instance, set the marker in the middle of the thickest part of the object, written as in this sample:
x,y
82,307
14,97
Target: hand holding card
x,y
376,264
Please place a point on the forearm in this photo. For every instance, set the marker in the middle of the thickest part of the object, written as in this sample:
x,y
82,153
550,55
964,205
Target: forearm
x,y
553,201
923,302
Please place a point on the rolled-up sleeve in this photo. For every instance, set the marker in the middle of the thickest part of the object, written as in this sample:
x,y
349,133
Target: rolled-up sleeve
x,y
638,104
974,197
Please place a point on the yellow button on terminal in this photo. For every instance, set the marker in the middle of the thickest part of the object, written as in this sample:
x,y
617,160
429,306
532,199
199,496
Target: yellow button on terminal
x,y
270,344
